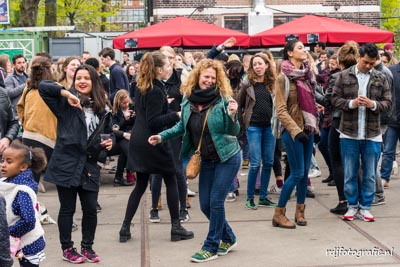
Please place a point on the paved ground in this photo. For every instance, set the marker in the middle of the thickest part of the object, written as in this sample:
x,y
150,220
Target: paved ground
x,y
259,244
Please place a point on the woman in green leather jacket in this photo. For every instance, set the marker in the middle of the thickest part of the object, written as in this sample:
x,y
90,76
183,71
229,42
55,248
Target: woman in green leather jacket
x,y
208,89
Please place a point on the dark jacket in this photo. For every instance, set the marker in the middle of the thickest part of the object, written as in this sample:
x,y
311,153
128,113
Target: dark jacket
x,y
118,80
14,88
124,125
152,117
74,159
172,86
8,122
385,116
5,258
346,89
394,120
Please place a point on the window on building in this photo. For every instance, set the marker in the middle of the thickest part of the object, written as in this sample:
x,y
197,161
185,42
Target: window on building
x,y
237,23
278,20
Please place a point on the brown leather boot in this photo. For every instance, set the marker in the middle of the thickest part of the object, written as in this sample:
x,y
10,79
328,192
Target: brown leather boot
x,y
299,215
280,220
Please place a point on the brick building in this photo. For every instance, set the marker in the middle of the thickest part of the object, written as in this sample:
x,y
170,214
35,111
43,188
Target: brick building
x,y
236,14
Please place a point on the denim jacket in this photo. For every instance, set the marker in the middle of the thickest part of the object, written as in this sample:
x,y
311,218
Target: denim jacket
x,y
222,128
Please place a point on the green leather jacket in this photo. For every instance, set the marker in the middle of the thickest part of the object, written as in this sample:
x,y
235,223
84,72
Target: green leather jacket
x,y
222,128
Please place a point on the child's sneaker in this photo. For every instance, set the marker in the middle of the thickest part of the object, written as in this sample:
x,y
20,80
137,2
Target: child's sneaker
x,y
203,256
90,255
71,255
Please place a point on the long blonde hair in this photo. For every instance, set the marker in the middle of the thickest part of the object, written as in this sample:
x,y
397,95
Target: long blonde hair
x,y
118,98
222,83
148,72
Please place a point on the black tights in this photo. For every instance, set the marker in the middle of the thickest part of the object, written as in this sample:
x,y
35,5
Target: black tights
x,y
336,159
140,188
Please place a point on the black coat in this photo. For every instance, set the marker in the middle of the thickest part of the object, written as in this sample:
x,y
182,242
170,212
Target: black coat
x,y
74,159
8,122
152,117
124,125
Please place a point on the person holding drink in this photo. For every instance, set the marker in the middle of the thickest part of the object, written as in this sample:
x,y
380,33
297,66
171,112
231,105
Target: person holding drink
x,y
83,116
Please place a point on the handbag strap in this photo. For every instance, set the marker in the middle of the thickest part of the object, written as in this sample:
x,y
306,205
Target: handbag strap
x,y
202,131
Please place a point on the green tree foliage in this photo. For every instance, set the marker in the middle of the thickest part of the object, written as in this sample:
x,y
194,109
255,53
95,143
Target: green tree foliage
x,y
390,10
86,15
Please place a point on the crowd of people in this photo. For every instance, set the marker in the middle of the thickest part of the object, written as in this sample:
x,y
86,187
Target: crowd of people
x,y
256,112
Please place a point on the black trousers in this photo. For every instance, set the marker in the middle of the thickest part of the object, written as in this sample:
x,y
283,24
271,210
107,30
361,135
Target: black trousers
x,y
141,185
67,198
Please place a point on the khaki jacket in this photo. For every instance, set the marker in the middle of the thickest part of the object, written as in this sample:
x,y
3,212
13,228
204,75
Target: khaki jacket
x,y
289,112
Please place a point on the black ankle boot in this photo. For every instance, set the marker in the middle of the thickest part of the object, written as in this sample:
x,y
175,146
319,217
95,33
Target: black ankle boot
x,y
340,209
178,232
125,232
327,180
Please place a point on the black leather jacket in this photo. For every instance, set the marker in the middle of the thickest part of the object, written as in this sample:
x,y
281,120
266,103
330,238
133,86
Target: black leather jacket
x,y
8,122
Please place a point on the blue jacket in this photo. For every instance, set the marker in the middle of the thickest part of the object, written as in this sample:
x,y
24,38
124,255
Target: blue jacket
x,y
222,128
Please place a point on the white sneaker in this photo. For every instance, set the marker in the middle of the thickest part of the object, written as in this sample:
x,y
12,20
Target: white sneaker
x,y
190,193
350,214
231,197
395,168
314,173
365,215
274,189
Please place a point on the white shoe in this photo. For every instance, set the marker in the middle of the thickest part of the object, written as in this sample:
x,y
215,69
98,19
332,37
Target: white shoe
x,y
191,193
395,168
231,197
350,214
365,215
314,173
274,189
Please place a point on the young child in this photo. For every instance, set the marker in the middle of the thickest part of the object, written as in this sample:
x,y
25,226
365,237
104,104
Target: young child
x,y
19,189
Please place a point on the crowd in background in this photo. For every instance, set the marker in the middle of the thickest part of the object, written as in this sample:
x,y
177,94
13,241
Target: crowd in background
x,y
259,112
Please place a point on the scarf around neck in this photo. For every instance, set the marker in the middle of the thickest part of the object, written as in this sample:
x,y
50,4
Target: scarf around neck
x,y
305,83
203,96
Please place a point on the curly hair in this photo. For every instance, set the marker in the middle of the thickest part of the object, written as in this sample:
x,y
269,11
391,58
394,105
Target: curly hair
x,y
40,70
222,83
269,75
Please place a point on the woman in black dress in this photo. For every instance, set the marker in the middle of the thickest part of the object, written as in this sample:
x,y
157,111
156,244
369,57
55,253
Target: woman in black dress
x,y
152,117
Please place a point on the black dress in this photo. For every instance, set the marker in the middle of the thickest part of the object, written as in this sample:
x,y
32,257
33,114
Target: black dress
x,y
152,117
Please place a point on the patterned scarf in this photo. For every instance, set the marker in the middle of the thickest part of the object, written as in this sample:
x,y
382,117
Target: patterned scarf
x,y
305,83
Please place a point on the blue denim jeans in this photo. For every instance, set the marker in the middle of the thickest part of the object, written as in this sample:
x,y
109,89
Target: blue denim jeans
x,y
299,158
359,195
261,147
392,135
214,182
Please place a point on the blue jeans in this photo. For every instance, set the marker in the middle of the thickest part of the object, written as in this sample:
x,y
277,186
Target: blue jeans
x,y
214,182
351,151
299,158
389,152
262,147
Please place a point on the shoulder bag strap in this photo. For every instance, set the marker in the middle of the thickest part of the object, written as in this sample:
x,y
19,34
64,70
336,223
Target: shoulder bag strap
x,y
202,131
